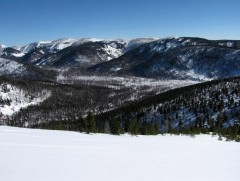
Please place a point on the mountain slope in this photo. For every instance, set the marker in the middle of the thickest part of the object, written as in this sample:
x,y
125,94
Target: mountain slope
x,y
168,58
207,107
18,70
83,55
70,100
50,46
11,53
13,98
2,47
177,58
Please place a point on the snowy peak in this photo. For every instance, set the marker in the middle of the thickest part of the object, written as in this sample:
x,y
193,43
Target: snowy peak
x,y
12,53
2,47
72,52
51,46
56,45
59,44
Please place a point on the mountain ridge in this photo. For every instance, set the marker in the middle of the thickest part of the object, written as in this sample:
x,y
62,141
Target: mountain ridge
x,y
167,58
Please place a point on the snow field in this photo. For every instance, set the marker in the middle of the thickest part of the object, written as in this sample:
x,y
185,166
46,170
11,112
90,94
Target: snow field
x,y
42,155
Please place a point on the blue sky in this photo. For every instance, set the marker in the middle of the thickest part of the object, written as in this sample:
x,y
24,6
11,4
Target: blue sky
x,y
25,21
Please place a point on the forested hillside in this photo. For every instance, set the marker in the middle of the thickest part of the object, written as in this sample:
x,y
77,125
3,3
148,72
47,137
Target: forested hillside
x,y
212,106
207,107
67,102
202,108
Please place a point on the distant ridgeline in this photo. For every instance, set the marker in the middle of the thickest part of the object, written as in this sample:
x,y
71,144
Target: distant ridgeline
x,y
184,58
212,106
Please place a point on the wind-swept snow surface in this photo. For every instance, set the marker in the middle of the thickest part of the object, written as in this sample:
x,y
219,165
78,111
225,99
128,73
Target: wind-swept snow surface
x,y
42,155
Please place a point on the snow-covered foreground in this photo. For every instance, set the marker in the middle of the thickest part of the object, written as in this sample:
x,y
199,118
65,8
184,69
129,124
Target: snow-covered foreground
x,y
42,155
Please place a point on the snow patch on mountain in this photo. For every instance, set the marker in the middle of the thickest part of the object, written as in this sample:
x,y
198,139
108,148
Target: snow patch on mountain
x,y
228,44
30,47
18,54
2,47
85,40
13,98
115,69
51,46
134,43
195,76
165,44
112,51
60,44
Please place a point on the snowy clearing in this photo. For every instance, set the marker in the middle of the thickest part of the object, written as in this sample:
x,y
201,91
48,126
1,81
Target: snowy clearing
x,y
118,82
42,155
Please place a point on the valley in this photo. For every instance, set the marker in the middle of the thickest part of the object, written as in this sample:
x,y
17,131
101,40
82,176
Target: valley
x,y
113,79
101,90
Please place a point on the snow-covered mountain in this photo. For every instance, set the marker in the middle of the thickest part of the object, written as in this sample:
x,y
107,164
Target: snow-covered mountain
x,y
167,58
18,70
178,58
50,46
59,44
2,47
11,53
82,55
64,53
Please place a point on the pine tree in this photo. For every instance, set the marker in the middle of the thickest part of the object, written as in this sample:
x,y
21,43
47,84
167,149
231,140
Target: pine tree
x,y
134,127
219,122
91,123
153,129
114,126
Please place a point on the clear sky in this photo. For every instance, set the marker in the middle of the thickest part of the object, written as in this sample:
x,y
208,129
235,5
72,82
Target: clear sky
x,y
25,21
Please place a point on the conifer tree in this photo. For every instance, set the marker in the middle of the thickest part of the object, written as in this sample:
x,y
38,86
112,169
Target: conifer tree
x,y
91,123
114,126
219,122
134,127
